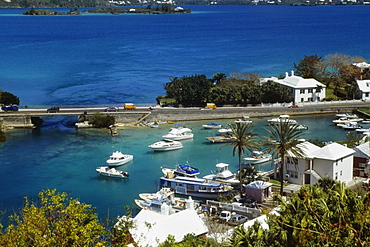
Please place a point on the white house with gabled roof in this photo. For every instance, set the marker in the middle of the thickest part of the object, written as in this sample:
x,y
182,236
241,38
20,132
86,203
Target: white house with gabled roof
x,y
364,87
333,160
302,89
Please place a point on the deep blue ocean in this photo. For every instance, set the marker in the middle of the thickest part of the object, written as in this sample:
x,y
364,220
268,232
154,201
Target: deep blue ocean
x,y
112,59
98,59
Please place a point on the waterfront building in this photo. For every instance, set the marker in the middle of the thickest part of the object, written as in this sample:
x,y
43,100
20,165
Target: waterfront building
x,y
364,87
333,160
361,162
301,89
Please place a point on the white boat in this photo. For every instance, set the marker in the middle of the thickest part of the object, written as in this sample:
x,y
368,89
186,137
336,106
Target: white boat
x,y
244,119
257,157
179,128
346,115
193,186
362,130
166,145
178,136
118,158
350,126
346,120
212,126
301,127
111,172
224,131
282,118
222,175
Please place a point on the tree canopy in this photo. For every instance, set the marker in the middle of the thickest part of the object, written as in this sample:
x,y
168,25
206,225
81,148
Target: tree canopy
x,y
7,98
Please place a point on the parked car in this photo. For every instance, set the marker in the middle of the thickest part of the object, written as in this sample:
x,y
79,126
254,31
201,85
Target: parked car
x,y
10,108
53,109
111,109
224,215
249,202
293,106
237,219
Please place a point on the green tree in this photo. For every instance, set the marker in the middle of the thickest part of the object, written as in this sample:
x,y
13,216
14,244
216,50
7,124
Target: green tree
x,y
56,221
283,141
248,174
7,98
100,120
189,90
244,139
309,67
274,92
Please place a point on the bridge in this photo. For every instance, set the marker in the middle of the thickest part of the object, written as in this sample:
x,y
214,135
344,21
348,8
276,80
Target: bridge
x,y
29,118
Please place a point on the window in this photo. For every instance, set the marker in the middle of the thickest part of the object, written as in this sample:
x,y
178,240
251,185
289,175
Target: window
x,y
302,99
310,99
366,94
336,176
341,173
310,90
318,90
301,91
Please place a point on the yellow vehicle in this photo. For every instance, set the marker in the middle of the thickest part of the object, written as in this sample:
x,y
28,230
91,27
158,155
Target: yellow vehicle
x,y
129,106
211,105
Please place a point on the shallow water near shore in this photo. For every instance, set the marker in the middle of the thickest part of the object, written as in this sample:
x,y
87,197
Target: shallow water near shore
x,y
61,157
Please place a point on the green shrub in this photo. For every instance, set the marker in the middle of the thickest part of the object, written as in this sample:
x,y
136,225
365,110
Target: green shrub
x,y
100,120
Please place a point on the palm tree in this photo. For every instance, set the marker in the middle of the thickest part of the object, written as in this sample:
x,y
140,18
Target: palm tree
x,y
283,143
243,139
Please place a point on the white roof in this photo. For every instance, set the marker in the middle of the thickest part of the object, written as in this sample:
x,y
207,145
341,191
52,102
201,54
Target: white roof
x,y
362,65
258,185
222,165
308,148
333,151
300,82
363,150
152,228
364,85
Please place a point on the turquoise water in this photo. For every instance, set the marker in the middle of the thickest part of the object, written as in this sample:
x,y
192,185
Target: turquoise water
x,y
64,158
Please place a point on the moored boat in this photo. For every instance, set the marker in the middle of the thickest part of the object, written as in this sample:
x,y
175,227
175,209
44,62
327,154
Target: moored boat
x,y
178,136
222,175
195,187
282,118
118,158
166,145
220,139
244,119
257,157
212,126
111,172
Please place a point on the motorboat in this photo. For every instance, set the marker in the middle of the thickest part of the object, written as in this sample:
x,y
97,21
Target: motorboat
x,y
166,145
111,172
222,175
193,186
224,131
178,136
362,130
257,157
282,118
212,126
164,200
244,119
301,127
182,170
346,115
347,120
118,158
179,128
351,126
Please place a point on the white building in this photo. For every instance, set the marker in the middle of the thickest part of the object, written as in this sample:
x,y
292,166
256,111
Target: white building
x,y
151,228
364,87
302,89
333,160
